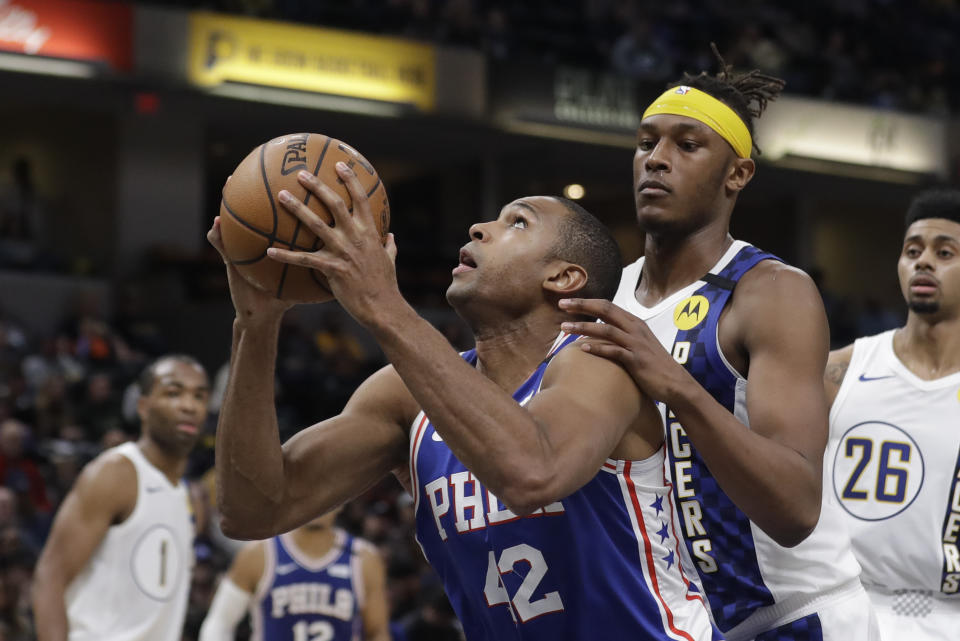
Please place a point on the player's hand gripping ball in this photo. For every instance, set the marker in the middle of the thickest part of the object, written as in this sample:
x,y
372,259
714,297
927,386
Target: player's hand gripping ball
x,y
252,220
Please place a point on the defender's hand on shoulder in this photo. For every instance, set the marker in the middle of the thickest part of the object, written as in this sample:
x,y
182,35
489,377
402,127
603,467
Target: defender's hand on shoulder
x,y
626,339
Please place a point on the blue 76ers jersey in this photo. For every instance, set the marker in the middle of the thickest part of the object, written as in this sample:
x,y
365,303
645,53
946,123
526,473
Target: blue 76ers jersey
x,y
305,599
601,563
743,572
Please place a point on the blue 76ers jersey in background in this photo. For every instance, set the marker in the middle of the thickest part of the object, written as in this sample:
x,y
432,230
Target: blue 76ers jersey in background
x,y
602,563
749,580
304,599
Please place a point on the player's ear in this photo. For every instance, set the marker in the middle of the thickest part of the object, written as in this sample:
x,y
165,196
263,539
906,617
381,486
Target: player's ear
x,y
741,171
142,408
565,278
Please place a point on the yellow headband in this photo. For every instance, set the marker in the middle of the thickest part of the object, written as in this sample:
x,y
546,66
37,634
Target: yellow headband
x,y
693,103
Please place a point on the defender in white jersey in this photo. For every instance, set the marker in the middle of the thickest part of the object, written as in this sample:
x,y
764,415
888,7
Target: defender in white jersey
x,y
733,344
538,474
118,561
893,463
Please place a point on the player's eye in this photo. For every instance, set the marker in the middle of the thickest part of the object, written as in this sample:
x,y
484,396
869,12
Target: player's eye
x,y
911,252
945,253
689,145
645,144
519,222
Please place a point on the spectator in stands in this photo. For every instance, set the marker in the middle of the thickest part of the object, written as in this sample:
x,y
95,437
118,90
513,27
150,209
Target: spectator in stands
x,y
20,473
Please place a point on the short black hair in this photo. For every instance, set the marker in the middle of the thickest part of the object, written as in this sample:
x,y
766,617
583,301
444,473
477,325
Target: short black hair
x,y
746,93
587,242
934,203
148,377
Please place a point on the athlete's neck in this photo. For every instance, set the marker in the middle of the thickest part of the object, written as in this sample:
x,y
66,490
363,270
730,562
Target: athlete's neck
x,y
671,263
509,353
314,542
929,349
172,466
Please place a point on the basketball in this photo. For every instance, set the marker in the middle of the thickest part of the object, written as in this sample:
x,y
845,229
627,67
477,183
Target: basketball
x,y
252,219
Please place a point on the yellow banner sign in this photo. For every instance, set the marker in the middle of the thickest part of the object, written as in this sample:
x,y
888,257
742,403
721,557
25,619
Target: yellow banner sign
x,y
227,48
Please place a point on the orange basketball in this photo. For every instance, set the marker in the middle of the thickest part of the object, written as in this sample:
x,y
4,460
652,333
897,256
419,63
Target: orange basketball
x,y
253,220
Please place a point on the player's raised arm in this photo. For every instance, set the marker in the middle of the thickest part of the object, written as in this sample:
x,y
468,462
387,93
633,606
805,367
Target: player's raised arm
x,y
528,457
264,487
104,494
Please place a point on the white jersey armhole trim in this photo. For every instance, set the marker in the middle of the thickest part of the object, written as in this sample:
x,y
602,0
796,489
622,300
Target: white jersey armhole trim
x,y
862,350
138,506
635,269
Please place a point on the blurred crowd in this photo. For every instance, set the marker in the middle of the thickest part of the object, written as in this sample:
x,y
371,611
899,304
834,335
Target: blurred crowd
x,y
886,53
66,397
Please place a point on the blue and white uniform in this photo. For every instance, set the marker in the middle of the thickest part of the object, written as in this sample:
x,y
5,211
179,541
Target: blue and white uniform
x,y
602,563
893,464
756,588
300,598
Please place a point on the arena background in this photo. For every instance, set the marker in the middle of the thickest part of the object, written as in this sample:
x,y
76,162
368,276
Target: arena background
x,y
120,122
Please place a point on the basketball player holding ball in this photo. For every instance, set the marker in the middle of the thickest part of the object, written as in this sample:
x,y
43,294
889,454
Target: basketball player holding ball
x,y
536,468
118,561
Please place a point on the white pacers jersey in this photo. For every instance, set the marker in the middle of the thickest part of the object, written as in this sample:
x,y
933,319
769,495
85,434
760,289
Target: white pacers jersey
x,y
893,464
753,584
134,588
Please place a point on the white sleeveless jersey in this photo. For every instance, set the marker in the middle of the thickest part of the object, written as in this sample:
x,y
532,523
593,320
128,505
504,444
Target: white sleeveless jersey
x,y
893,464
752,583
134,588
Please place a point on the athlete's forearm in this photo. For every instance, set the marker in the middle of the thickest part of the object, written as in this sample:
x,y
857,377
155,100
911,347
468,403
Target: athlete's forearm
x,y
495,438
774,485
49,607
249,457
229,605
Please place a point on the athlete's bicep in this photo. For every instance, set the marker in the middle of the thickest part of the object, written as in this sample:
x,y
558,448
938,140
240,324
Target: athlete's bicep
x,y
335,460
104,493
585,408
787,340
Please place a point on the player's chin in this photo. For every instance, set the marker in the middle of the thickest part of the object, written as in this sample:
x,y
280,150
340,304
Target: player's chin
x,y
654,218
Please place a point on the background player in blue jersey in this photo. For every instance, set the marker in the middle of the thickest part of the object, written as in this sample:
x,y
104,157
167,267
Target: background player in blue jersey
x,y
733,344
536,470
316,583
894,458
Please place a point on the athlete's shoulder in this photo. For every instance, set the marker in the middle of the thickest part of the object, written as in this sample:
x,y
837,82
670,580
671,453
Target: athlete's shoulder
x,y
838,362
571,363
366,551
772,286
248,566
109,482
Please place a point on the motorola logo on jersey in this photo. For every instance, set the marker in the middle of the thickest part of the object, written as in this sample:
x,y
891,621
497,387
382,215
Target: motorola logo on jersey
x,y
878,471
690,312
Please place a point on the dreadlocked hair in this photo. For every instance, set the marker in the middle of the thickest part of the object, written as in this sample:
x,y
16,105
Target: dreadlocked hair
x,y
746,93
